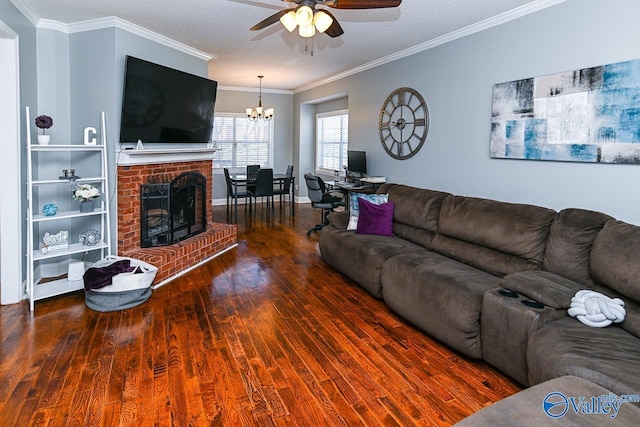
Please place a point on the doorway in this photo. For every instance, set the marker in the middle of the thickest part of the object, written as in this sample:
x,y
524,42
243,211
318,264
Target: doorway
x,y
11,251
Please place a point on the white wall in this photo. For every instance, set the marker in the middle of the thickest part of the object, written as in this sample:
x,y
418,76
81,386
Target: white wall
x,y
457,79
10,219
21,33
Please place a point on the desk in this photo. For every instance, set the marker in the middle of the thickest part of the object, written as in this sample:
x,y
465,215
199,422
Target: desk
x,y
347,187
278,178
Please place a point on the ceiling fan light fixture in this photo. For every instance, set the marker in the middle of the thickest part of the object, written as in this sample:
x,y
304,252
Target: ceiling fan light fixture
x,y
304,16
306,31
289,20
322,21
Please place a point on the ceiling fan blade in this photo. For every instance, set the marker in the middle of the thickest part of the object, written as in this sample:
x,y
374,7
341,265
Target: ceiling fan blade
x,y
334,30
269,20
362,4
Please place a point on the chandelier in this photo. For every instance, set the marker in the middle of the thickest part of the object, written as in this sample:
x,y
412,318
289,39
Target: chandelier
x,y
307,20
259,113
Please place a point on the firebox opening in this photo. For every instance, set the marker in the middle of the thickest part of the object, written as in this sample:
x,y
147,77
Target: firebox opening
x,y
173,211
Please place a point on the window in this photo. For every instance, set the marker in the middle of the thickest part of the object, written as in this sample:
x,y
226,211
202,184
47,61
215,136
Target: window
x,y
332,140
241,141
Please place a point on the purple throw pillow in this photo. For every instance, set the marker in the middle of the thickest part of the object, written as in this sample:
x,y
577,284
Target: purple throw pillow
x,y
375,219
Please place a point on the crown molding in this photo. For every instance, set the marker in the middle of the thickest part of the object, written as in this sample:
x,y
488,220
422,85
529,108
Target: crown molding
x,y
7,32
114,22
463,32
108,22
256,90
26,10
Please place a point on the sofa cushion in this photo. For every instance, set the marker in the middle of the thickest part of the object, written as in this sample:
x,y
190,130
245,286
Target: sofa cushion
x,y
607,356
631,321
487,259
339,219
439,295
375,219
354,205
525,408
569,245
547,288
615,260
509,231
416,212
361,256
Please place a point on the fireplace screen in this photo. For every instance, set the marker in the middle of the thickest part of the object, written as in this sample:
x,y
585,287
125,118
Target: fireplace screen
x,y
173,211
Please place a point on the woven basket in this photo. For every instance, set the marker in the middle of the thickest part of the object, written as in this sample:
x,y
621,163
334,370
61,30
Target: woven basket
x,y
127,289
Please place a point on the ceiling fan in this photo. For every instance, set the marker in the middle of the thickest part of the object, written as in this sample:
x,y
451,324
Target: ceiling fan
x,y
308,19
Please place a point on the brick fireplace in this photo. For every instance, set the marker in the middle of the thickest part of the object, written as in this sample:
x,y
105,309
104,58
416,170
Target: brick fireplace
x,y
177,258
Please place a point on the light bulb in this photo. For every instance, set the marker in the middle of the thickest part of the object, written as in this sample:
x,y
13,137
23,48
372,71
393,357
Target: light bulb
x,y
289,20
304,16
306,31
322,21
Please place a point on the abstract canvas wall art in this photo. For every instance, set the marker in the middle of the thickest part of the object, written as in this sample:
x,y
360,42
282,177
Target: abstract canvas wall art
x,y
587,115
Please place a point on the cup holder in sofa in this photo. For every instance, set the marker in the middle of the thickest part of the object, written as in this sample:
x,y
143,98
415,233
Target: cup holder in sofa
x,y
532,303
507,293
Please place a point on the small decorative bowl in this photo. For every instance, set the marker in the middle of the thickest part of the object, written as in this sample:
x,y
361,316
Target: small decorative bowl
x,y
90,237
50,209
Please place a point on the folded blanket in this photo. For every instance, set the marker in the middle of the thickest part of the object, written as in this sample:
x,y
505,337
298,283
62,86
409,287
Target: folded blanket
x,y
99,277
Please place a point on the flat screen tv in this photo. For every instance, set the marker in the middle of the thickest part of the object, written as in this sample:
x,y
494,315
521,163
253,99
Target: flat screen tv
x,y
160,104
357,162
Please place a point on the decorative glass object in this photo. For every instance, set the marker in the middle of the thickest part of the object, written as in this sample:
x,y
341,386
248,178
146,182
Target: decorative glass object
x,y
90,237
50,209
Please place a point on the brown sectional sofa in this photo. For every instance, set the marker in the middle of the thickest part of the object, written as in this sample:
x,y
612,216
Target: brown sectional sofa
x,y
493,280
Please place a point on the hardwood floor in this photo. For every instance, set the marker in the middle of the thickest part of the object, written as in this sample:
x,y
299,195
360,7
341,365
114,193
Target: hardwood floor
x,y
265,334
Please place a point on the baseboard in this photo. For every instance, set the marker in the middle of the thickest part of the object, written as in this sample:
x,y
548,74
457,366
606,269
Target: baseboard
x,y
204,261
223,202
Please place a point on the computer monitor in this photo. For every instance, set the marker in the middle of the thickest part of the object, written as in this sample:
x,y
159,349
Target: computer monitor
x,y
357,163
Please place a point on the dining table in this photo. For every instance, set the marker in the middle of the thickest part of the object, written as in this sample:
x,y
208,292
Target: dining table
x,y
241,179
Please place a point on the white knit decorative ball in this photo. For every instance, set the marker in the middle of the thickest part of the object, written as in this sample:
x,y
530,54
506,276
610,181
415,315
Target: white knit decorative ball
x,y
596,310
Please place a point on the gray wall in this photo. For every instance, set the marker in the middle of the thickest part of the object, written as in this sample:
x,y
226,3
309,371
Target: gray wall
x,y
457,79
235,101
82,74
27,34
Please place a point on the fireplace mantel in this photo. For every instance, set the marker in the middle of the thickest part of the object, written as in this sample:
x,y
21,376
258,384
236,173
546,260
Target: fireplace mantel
x,y
146,156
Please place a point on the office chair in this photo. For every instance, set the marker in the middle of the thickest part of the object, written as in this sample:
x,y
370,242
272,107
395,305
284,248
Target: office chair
x,y
321,199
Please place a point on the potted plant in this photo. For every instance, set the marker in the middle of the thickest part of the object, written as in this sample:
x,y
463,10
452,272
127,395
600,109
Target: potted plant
x,y
86,193
44,122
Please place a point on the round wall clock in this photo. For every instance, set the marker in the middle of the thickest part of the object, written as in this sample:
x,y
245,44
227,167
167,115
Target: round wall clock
x,y
404,123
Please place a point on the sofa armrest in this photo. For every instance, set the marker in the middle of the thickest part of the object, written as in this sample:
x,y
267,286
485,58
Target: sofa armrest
x,y
547,288
339,220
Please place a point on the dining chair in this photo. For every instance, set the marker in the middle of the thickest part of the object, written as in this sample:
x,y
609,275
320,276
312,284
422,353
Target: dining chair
x,y
285,188
263,187
252,173
234,194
